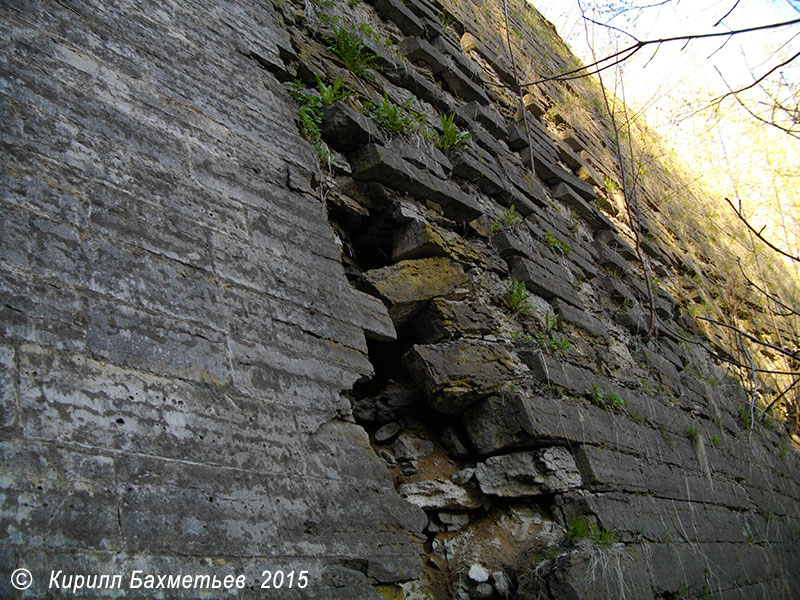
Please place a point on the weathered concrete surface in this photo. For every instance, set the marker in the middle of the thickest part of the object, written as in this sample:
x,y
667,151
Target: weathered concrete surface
x,y
177,325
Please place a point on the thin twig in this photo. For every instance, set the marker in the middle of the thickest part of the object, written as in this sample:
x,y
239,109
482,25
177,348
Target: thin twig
x,y
757,81
778,397
719,356
758,233
519,89
772,297
727,13
752,338
634,48
786,130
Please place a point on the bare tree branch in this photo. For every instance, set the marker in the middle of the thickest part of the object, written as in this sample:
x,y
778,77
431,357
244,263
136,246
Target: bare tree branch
x,y
629,51
758,233
777,398
727,13
612,27
757,81
771,122
722,357
784,351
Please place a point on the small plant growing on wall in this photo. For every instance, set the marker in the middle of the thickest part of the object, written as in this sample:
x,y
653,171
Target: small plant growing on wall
x,y
310,105
553,343
556,245
610,185
452,139
746,417
508,218
349,45
396,119
581,527
608,401
330,94
517,297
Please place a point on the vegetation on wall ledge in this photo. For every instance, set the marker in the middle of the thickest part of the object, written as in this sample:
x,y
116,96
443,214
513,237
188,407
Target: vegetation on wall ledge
x,y
310,105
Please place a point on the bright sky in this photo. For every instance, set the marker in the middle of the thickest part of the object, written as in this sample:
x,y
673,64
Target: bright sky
x,y
679,78
675,65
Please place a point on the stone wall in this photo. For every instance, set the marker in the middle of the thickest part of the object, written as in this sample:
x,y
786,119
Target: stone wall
x,y
177,325
227,353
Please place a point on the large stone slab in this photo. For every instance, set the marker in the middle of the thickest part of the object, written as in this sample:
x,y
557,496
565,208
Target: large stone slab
x,y
440,494
606,469
515,421
407,285
377,163
547,369
590,213
481,170
456,374
419,239
472,42
581,319
345,128
378,324
544,278
447,319
520,474
442,63
596,574
422,87
486,116
402,15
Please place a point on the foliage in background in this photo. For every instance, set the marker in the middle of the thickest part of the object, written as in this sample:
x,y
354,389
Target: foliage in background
x,y
721,262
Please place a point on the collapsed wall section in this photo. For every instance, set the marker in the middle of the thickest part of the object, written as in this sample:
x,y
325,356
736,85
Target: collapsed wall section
x,y
557,451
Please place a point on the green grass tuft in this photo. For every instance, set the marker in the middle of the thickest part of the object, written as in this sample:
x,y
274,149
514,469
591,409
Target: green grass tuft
x,y
608,401
581,527
310,105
